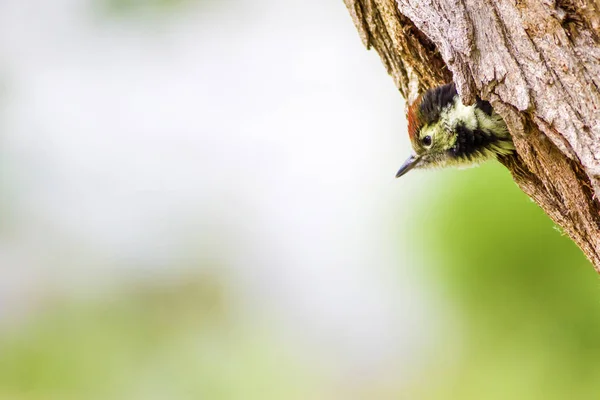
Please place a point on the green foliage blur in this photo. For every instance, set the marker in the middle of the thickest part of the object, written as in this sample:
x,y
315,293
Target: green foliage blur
x,y
524,298
176,341
527,298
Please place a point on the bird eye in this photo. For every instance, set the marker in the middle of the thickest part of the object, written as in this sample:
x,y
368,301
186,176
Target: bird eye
x,y
427,140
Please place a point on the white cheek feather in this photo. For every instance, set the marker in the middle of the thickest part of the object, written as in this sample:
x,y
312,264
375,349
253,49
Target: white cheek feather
x,y
473,118
458,112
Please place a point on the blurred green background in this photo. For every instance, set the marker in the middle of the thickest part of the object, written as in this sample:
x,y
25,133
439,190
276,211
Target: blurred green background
x,y
198,204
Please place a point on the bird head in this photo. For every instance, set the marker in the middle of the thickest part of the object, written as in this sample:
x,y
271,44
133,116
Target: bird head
x,y
444,132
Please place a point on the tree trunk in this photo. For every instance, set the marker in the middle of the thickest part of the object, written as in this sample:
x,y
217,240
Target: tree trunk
x,y
536,61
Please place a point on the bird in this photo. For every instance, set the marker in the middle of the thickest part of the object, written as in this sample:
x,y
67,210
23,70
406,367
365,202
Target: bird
x,y
444,132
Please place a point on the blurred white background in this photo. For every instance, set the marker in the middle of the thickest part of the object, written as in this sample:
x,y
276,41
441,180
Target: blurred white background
x,y
258,139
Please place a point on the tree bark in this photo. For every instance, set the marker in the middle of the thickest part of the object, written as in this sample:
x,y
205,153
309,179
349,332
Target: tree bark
x,y
536,61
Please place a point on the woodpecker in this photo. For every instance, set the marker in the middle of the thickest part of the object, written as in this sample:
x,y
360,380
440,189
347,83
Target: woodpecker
x,y
444,132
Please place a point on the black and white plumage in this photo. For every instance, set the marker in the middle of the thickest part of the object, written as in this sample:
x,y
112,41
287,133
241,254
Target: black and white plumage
x,y
445,132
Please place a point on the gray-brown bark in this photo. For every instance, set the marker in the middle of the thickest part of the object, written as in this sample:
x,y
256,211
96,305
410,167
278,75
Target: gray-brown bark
x,y
537,62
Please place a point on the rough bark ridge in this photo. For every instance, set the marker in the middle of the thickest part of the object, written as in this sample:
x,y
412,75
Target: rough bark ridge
x,y
537,62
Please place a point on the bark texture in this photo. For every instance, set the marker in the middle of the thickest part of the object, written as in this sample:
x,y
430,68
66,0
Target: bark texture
x,y
536,61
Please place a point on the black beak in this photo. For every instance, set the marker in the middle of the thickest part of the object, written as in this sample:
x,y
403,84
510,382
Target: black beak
x,y
408,165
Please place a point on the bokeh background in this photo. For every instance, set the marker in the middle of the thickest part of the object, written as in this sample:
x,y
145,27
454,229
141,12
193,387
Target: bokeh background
x,y
198,203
